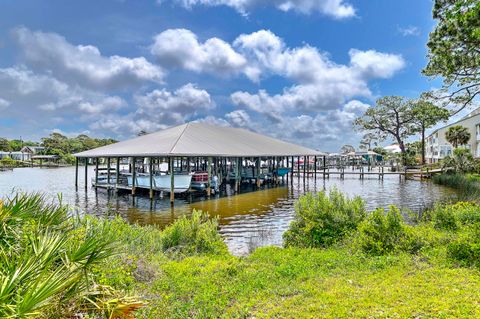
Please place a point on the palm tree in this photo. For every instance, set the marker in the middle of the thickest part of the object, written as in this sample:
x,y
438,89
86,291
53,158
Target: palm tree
x,y
457,135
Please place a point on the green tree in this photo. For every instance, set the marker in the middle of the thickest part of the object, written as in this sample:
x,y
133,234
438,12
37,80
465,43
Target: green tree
x,y
391,116
457,135
16,145
4,145
426,115
453,49
367,141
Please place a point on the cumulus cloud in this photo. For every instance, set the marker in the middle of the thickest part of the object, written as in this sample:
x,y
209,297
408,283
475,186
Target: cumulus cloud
x,y
239,118
181,48
373,64
159,109
107,104
338,9
83,64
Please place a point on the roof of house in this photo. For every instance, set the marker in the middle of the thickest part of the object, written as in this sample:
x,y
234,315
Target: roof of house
x,y
200,139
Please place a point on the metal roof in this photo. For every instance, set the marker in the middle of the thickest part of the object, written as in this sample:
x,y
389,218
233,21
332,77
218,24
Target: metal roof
x,y
200,139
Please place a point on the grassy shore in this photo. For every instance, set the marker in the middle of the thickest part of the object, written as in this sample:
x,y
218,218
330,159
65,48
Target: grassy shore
x,y
357,265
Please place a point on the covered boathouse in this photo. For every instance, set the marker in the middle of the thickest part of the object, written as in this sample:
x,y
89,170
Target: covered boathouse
x,y
193,157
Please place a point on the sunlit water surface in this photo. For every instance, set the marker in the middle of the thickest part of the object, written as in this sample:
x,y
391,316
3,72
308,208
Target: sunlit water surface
x,y
247,220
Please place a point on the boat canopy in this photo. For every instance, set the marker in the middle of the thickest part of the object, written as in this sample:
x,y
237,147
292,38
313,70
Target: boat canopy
x,y
200,139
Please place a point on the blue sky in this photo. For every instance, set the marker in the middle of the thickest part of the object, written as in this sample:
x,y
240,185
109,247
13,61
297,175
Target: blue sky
x,y
299,70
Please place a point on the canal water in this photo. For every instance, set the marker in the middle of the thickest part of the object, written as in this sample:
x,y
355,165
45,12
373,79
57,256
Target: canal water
x,y
247,220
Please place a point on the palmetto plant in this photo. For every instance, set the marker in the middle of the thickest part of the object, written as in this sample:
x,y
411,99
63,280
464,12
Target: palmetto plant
x,y
46,257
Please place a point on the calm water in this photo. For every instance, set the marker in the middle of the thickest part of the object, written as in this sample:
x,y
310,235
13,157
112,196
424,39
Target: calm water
x,y
247,220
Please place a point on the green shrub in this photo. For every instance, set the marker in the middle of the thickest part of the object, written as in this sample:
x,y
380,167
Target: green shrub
x,y
465,249
197,234
384,233
322,220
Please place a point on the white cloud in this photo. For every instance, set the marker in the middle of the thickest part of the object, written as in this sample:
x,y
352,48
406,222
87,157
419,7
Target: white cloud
x,y
83,64
373,64
157,110
181,48
108,104
4,104
409,31
239,118
338,9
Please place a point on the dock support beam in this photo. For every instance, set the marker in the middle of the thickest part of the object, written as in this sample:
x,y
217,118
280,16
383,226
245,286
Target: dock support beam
x,y
306,161
150,169
315,167
324,165
134,175
108,172
76,172
209,182
172,181
86,173
96,172
258,171
298,166
117,172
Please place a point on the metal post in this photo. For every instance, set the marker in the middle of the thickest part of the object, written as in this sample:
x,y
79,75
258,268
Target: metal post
x,y
76,172
134,175
172,181
86,173
315,167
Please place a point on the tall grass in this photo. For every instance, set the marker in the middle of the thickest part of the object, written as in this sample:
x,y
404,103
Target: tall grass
x,y
469,184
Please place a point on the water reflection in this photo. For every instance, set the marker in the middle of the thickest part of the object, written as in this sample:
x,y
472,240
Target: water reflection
x,y
250,219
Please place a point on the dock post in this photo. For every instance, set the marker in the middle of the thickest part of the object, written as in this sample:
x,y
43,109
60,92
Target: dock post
x,y
305,163
134,174
96,172
150,169
324,165
298,167
108,172
257,164
117,172
86,173
76,172
237,175
315,167
172,181
209,171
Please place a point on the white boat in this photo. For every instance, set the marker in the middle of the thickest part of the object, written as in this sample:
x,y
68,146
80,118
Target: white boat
x,y
162,182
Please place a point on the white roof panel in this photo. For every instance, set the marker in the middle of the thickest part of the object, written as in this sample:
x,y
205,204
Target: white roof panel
x,y
200,139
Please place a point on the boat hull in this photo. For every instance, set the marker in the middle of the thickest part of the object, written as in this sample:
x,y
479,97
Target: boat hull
x,y
163,182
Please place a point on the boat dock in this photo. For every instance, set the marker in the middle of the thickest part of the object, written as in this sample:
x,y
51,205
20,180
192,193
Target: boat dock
x,y
193,157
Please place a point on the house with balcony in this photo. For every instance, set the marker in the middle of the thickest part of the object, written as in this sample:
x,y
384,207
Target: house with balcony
x,y
437,147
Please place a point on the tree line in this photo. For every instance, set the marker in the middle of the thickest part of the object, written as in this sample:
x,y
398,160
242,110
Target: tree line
x,y
58,144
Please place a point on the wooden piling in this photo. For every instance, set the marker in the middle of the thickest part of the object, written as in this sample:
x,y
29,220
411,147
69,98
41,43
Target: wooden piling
x,y
209,171
117,172
150,169
86,173
108,171
96,172
76,172
172,181
134,174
